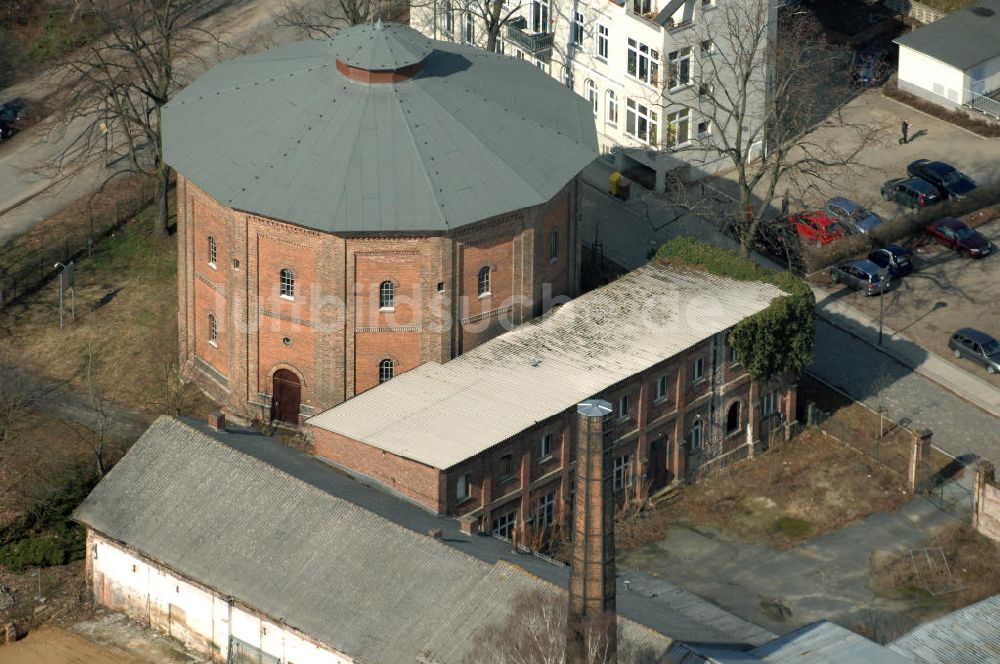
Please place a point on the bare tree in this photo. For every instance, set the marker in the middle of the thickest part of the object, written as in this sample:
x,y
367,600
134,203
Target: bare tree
x,y
322,20
117,84
535,633
764,84
494,14
95,426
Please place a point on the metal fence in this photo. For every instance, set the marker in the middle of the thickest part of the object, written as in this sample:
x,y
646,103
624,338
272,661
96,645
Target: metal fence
x,y
24,273
983,104
886,442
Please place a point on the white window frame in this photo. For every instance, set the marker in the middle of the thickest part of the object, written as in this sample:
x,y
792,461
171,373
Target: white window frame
x,y
545,510
602,41
213,252
643,61
679,127
483,281
707,131
503,525
622,409
590,92
577,28
539,16
286,283
698,370
622,474
469,28
662,388
642,7
677,62
734,356
213,331
386,370
637,115
545,447
387,296
449,18
695,435
769,404
612,116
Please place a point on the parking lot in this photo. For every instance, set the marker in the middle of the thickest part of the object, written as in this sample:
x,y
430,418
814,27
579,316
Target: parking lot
x,y
945,292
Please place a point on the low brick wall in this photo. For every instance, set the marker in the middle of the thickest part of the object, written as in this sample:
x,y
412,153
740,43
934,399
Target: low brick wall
x,y
915,10
986,502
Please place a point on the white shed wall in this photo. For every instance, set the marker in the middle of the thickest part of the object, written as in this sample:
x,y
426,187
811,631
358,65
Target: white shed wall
x,y
991,74
186,611
944,82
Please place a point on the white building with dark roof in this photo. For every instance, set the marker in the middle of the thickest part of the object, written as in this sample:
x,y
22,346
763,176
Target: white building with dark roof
x,y
955,61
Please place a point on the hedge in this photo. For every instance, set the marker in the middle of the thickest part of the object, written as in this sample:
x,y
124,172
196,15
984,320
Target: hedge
x,y
778,339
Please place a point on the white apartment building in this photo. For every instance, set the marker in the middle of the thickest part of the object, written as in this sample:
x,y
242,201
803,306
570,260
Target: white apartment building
x,y
637,61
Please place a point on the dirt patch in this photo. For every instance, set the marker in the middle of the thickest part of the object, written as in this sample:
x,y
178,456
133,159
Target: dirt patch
x,y
973,571
796,491
54,645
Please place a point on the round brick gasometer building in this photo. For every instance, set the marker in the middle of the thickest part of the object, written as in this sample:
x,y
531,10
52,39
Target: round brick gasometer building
x,y
349,209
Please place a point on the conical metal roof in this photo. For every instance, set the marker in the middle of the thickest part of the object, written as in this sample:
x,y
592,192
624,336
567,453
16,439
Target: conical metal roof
x,y
380,46
285,135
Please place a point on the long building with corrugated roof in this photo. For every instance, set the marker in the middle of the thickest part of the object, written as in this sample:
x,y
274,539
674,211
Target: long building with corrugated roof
x,y
486,436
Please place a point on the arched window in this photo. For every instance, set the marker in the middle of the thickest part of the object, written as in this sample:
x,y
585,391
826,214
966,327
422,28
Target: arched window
x,y
287,283
696,435
553,245
386,370
469,29
386,295
484,281
612,108
591,91
448,18
213,330
212,251
733,418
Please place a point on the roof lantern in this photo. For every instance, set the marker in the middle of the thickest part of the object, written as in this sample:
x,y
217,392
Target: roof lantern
x,y
380,52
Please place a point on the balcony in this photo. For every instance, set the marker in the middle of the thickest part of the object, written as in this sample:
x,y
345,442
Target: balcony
x,y
538,44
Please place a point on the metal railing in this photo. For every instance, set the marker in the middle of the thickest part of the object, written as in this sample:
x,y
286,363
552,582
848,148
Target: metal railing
x,y
983,104
535,43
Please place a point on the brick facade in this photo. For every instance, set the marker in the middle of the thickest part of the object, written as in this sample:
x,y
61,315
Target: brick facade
x,y
654,441
331,330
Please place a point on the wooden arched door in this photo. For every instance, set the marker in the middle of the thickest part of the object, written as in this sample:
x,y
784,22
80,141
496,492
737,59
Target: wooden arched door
x,y
286,395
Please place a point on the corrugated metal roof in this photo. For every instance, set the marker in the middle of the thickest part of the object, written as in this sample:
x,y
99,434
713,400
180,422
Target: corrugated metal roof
x,y
544,367
826,643
966,636
285,135
696,653
964,38
380,46
363,585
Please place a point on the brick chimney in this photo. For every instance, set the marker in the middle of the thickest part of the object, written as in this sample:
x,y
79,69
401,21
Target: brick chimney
x,y
217,421
592,571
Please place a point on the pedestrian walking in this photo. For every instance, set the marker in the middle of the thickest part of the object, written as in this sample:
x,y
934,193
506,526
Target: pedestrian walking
x,y
905,128
784,204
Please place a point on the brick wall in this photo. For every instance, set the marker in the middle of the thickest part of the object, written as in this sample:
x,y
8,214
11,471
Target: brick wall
x,y
332,333
511,476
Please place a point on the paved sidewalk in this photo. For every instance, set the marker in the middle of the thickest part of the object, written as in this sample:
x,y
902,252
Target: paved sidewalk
x,y
926,363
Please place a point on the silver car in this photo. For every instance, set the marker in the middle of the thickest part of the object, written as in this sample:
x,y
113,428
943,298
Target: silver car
x,y
978,347
864,276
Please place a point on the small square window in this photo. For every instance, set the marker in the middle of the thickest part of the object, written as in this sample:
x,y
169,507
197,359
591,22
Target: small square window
x,y
704,129
506,467
545,447
463,489
734,355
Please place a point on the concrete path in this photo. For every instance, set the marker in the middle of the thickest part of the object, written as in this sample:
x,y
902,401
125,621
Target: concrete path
x,y
825,578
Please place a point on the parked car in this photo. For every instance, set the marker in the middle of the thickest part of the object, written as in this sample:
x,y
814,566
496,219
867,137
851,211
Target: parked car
x,y
816,227
894,258
950,182
11,114
863,276
976,346
953,233
913,193
854,217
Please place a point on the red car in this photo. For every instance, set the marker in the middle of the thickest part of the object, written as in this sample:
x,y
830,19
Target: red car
x,y
953,233
816,227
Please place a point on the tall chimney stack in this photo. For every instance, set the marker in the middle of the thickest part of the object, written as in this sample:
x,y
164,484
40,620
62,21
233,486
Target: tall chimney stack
x,y
592,574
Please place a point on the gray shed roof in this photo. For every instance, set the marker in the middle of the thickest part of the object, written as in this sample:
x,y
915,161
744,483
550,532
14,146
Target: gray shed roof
x,y
967,636
542,368
285,135
963,39
253,532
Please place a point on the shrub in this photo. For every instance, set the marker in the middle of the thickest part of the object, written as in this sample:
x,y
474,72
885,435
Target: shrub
x,y
776,340
792,527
